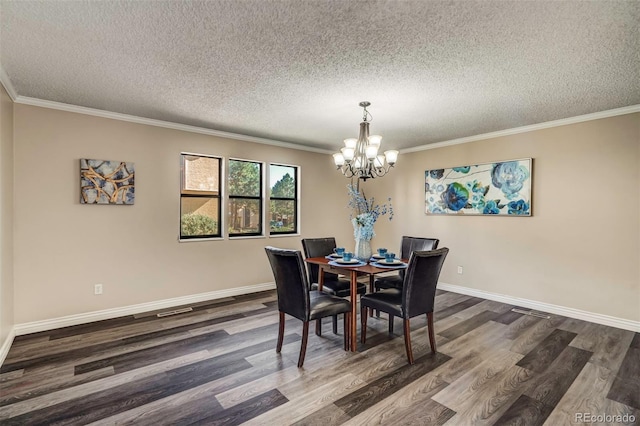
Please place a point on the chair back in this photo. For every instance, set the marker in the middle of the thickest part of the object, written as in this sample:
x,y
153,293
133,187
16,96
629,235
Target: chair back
x,y
410,244
317,247
421,278
291,282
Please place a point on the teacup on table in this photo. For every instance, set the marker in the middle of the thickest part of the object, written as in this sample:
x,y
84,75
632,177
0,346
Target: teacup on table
x,y
347,256
389,257
382,251
339,251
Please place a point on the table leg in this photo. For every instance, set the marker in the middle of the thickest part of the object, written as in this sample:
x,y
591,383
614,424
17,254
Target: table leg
x,y
354,310
320,278
371,289
320,283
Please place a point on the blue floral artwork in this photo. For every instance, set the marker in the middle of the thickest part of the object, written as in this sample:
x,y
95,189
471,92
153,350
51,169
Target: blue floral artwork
x,y
106,182
502,189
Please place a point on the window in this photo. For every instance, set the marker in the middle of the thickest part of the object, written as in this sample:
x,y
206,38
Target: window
x,y
245,198
200,196
283,209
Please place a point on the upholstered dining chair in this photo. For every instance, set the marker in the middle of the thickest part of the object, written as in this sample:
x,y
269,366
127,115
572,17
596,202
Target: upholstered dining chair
x,y
333,284
296,299
416,297
407,246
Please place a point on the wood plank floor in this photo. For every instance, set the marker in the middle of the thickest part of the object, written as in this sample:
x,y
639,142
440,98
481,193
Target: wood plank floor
x,y
218,365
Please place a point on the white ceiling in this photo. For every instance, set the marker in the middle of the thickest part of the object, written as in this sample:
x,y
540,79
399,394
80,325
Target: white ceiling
x,y
295,71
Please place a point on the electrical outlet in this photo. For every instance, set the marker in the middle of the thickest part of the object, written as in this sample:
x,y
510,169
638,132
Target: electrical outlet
x,y
97,289
460,270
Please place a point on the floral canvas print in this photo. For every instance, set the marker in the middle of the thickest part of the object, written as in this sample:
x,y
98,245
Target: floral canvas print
x,y
106,182
502,188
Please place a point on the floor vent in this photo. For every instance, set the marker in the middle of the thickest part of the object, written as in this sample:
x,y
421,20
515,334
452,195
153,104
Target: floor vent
x,y
532,313
175,312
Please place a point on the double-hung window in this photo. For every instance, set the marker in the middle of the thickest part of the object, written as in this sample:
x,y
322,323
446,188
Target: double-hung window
x,y
200,196
245,198
283,201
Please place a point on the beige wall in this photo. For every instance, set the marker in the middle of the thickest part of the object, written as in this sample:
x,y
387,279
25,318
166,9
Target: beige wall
x,y
581,248
6,215
63,248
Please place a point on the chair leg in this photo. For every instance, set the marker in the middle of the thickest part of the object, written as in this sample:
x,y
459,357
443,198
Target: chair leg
x,y
407,340
335,324
363,325
303,346
347,330
391,318
319,327
280,333
432,337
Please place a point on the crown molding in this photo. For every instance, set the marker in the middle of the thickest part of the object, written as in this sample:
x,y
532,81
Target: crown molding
x,y
159,123
6,82
555,123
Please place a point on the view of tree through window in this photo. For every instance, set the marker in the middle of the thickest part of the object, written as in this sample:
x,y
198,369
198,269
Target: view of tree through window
x,y
199,196
245,198
283,201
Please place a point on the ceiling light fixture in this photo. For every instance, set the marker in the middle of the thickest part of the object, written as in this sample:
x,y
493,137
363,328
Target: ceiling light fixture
x,y
359,158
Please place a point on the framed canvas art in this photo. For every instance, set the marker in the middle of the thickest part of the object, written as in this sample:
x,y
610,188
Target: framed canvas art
x,y
106,182
502,189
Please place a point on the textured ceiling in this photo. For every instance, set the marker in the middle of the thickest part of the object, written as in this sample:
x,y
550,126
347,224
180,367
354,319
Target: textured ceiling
x,y
295,71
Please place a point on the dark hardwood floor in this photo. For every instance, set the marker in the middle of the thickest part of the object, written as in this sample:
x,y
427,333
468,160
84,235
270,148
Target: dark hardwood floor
x,y
218,365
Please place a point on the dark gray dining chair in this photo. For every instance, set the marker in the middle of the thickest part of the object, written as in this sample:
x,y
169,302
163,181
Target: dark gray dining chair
x,y
416,297
407,246
332,283
296,299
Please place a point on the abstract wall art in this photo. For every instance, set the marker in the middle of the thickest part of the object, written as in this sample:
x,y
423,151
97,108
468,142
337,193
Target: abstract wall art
x,y
502,188
106,182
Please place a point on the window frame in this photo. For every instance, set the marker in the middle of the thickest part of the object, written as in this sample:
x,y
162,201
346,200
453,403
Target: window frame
x,y
260,199
190,193
296,201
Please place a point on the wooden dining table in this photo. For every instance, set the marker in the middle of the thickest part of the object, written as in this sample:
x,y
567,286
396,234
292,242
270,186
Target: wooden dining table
x,y
353,272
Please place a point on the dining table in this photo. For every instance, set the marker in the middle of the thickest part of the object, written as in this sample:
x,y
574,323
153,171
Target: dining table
x,y
353,272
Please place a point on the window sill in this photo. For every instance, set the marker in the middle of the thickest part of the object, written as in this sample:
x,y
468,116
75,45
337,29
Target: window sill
x,y
246,237
197,240
283,235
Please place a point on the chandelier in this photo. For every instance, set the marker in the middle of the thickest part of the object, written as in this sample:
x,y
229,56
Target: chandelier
x,y
359,158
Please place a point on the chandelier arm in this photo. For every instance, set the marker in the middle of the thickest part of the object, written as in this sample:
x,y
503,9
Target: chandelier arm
x,y
348,171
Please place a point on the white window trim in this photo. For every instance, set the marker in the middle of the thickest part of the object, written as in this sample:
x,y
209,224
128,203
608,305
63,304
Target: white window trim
x,y
298,200
221,196
263,193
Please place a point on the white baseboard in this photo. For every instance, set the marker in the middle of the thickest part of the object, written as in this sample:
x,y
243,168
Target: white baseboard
x,y
6,345
36,326
545,307
50,324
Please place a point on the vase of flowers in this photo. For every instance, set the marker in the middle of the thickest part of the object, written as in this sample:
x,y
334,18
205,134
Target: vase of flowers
x,y
364,214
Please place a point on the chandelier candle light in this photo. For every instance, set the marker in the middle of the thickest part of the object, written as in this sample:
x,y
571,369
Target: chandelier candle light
x,y
359,158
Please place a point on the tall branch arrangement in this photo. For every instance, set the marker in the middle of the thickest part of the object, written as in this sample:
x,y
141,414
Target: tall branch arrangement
x,y
365,212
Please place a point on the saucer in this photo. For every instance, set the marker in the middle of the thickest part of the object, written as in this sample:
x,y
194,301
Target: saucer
x,y
347,262
394,262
